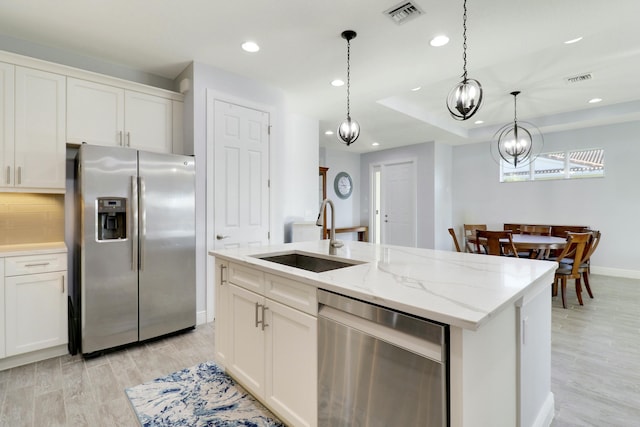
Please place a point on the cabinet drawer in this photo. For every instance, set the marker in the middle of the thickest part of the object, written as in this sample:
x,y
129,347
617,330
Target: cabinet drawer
x,y
30,264
245,277
292,293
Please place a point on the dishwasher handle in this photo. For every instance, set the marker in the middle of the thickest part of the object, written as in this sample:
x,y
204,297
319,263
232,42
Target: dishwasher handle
x,y
409,342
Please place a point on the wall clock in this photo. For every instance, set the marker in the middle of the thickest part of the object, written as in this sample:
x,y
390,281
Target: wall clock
x,y
343,185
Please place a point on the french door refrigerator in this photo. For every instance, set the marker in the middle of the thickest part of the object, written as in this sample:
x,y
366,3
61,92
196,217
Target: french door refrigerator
x,y
137,246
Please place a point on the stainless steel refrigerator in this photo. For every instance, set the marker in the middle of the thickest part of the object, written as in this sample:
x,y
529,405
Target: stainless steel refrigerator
x,y
136,277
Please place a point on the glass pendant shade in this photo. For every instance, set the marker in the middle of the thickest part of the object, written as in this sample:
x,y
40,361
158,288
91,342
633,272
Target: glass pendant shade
x,y
349,131
515,144
465,99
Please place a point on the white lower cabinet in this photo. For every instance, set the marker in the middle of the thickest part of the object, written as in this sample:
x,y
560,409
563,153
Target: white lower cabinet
x,y
221,309
271,346
35,302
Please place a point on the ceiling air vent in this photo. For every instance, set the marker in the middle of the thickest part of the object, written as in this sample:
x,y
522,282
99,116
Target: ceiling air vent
x,y
403,12
579,78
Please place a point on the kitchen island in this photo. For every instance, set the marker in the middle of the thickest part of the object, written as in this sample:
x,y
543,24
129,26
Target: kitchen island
x,y
498,311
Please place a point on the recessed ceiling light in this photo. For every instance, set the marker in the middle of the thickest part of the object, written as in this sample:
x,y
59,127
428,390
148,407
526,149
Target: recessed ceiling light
x,y
438,41
479,122
337,83
415,89
249,46
576,40
329,132
375,144
595,100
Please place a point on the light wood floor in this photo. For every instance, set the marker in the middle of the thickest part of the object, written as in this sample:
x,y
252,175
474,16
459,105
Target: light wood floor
x,y
595,355
71,391
595,372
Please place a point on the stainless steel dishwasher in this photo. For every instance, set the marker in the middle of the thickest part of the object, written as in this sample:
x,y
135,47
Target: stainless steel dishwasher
x,y
378,367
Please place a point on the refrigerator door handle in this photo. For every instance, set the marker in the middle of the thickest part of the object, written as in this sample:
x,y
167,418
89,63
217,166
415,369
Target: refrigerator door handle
x,y
143,222
134,223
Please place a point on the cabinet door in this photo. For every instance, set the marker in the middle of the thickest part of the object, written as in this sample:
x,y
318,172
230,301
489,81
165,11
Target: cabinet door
x,y
246,339
6,124
40,147
291,358
148,122
36,312
2,329
95,113
221,313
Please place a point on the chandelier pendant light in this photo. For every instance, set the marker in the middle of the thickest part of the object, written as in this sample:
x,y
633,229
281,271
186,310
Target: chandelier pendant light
x,y
349,129
518,145
465,98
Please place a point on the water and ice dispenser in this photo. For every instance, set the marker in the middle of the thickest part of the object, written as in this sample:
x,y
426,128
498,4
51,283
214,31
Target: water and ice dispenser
x,y
112,218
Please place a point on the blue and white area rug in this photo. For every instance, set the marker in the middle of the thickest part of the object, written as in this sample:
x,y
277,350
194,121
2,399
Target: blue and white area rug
x,y
199,396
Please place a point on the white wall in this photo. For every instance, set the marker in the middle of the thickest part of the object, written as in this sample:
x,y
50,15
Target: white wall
x,y
610,204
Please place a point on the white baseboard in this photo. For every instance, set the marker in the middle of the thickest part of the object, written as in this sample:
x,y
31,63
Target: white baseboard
x,y
547,412
615,272
201,317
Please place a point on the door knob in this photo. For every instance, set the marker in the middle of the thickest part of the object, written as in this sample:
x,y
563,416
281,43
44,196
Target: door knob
x,y
220,237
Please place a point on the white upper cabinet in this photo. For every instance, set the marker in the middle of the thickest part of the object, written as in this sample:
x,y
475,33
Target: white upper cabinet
x,y
149,122
95,113
7,122
107,115
33,133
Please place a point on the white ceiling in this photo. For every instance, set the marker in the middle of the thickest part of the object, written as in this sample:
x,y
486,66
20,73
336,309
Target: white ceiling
x,y
512,45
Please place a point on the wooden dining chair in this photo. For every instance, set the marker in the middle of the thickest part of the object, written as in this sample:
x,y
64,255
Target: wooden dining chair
x,y
514,228
584,268
470,232
575,248
495,243
455,239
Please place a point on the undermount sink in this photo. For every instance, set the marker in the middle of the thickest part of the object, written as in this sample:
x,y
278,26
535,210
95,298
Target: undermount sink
x,y
307,262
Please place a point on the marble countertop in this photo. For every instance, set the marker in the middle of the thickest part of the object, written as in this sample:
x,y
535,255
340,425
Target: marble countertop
x,y
459,289
32,249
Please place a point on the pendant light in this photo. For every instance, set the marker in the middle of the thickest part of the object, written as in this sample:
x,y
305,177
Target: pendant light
x,y
465,98
517,145
349,129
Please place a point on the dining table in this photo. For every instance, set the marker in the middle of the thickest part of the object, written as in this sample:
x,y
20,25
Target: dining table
x,y
538,246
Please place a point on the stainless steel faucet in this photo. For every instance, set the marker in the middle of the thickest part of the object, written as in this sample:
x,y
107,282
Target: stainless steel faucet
x,y
333,243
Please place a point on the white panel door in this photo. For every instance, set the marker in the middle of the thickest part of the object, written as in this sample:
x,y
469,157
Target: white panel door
x,y
148,122
6,124
246,339
399,204
36,312
241,199
40,129
95,113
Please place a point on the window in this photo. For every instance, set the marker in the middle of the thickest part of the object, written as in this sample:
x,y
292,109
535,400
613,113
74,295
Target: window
x,y
557,165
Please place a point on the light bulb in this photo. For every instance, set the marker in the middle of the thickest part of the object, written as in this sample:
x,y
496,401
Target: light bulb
x,y
348,131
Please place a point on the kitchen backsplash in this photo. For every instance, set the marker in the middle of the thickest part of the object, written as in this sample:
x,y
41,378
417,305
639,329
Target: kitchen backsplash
x,y
31,218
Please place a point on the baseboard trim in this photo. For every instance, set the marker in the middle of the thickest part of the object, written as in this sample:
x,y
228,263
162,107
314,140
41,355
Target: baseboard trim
x,y
34,356
615,272
547,412
201,317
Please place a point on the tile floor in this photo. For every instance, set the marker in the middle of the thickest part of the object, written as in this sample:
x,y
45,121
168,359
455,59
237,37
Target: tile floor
x,y
595,372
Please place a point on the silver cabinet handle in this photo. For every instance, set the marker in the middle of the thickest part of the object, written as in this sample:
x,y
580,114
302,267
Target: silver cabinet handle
x,y
264,323
37,264
222,269
8,174
128,139
120,138
62,284
257,306
19,175
220,237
